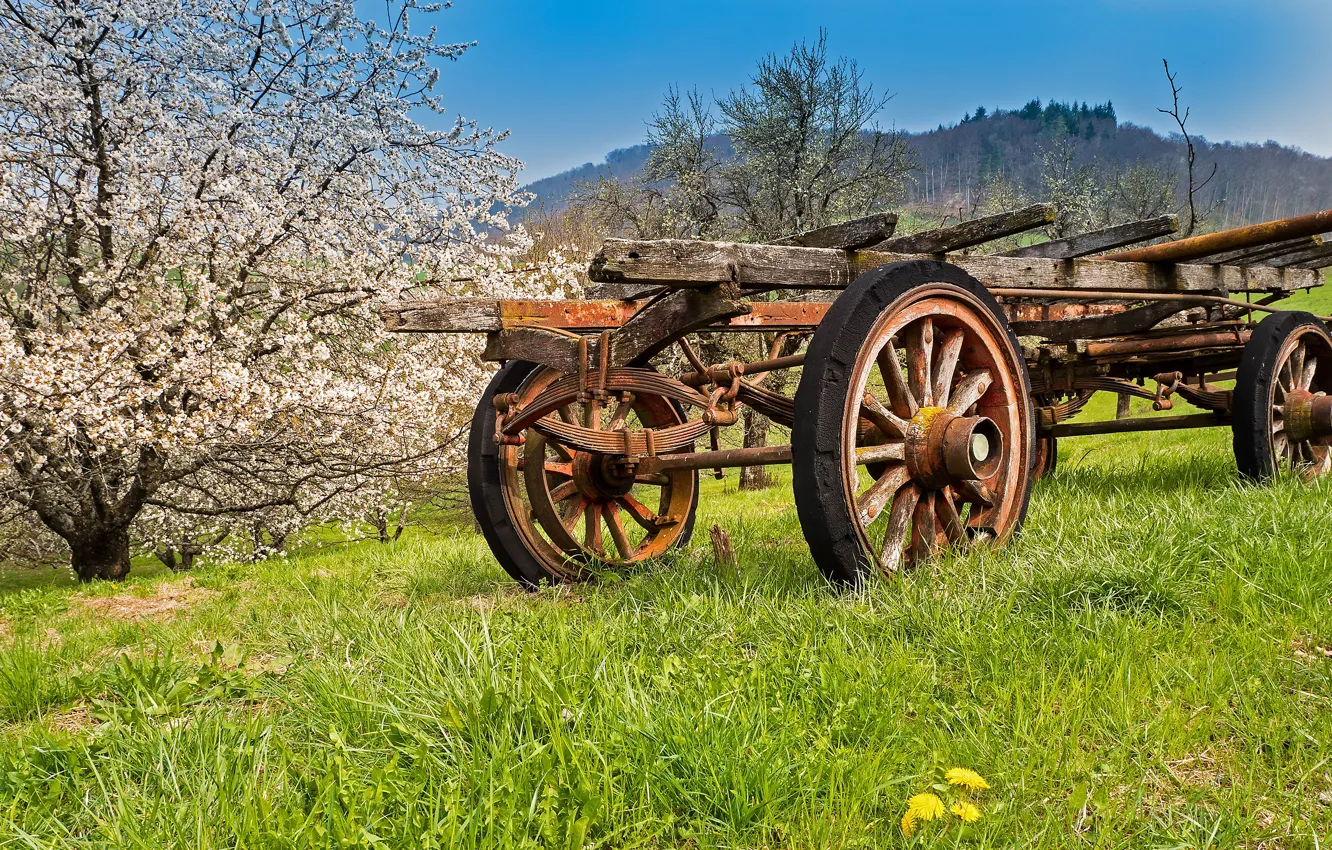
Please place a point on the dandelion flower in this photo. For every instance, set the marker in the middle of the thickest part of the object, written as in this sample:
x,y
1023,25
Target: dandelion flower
x,y
908,823
967,811
967,778
925,807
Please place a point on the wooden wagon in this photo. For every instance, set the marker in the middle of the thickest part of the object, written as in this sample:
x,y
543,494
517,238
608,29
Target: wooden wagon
x,y
934,379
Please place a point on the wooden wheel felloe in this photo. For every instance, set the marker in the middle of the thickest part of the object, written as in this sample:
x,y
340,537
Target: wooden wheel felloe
x,y
913,428
1282,414
549,510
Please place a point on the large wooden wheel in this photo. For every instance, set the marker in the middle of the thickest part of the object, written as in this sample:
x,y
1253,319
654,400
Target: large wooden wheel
x,y
550,511
913,428
1282,413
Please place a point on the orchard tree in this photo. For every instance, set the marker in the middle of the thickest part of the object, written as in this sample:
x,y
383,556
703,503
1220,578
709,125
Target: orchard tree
x,y
203,204
797,149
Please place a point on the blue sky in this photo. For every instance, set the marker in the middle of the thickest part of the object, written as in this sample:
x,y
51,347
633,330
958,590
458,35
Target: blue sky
x,y
574,80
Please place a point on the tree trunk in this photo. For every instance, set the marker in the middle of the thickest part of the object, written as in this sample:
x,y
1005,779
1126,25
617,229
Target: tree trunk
x,y
105,555
756,435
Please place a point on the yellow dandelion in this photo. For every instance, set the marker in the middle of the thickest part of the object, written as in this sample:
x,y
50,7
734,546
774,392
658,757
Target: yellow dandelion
x,y
967,778
925,807
908,823
967,811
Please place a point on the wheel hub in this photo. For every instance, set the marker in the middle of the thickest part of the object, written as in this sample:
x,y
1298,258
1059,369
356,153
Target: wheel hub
x,y
942,448
596,477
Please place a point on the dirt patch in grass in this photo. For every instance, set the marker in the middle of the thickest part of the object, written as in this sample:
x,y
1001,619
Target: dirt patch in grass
x,y
167,599
75,721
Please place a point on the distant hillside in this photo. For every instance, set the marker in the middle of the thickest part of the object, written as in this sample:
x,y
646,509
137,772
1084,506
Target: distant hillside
x,y
1257,182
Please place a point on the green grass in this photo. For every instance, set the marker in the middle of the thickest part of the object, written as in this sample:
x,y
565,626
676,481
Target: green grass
x,y
1143,667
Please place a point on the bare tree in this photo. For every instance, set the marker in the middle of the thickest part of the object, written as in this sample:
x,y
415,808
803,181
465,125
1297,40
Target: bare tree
x,y
1190,155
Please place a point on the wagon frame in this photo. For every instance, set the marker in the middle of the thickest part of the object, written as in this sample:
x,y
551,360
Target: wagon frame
x,y
935,379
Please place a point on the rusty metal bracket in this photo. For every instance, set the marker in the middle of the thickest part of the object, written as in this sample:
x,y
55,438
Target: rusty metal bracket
x,y
1166,385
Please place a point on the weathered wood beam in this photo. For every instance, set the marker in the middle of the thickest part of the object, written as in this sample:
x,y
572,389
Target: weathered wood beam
x,y
849,235
483,315
491,315
973,232
622,291
680,263
1132,321
1298,259
1247,256
662,322
1086,244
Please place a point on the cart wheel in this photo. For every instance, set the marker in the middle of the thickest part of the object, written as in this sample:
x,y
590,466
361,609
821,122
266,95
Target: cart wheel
x,y
1045,458
549,513
1282,414
914,367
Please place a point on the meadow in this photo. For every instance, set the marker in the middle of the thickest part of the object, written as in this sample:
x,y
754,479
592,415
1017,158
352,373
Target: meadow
x,y
1149,664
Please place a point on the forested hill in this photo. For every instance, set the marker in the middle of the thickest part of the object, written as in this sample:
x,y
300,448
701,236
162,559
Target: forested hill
x,y
1256,181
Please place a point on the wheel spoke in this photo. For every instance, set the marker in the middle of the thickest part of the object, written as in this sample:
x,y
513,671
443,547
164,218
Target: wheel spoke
x,y
1310,365
899,394
887,421
621,413
877,496
566,414
920,354
612,514
1297,367
1280,445
572,512
945,365
653,479
976,492
881,453
640,513
924,530
592,414
969,391
899,520
948,516
564,470
592,528
564,491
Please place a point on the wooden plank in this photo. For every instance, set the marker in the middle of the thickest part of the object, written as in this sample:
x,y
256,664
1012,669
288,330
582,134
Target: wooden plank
x,y
849,235
1086,244
973,232
1132,321
679,263
658,325
623,291
440,316
687,263
471,315
1247,256
1320,253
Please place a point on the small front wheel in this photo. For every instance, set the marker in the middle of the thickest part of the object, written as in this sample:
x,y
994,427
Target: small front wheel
x,y
548,510
1282,413
913,428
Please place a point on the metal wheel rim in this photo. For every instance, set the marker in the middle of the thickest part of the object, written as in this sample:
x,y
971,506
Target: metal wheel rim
x,y
918,519
533,503
1302,366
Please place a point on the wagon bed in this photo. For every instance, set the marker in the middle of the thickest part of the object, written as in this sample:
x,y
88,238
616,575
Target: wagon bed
x,y
935,379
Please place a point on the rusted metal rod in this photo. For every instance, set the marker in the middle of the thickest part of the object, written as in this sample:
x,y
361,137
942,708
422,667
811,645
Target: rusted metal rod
x,y
1145,423
724,458
760,456
724,373
1178,342
1111,295
1228,240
